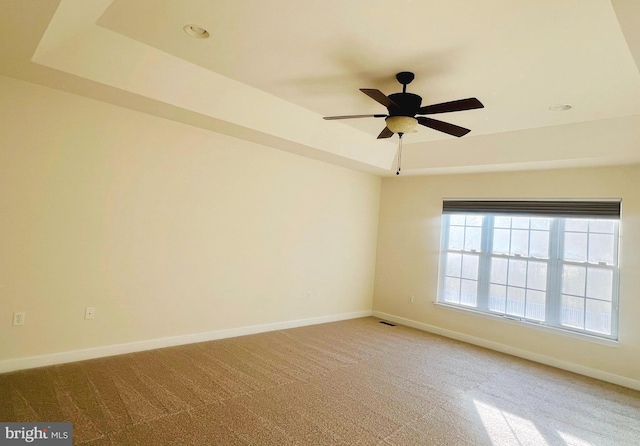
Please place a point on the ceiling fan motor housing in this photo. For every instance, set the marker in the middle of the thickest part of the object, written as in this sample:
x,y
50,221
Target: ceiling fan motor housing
x,y
408,104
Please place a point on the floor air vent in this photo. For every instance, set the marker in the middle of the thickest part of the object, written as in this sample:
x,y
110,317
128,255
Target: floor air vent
x,y
388,323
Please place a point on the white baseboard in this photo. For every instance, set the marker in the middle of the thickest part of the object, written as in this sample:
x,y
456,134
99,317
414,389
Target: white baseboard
x,y
542,359
9,365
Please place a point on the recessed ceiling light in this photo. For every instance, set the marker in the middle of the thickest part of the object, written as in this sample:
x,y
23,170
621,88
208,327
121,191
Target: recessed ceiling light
x,y
196,31
560,107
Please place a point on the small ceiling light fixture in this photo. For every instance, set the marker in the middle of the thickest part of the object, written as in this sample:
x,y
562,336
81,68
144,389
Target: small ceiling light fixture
x,y
196,31
560,107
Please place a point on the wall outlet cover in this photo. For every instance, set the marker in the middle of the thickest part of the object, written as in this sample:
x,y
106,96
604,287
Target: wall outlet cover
x,y
18,318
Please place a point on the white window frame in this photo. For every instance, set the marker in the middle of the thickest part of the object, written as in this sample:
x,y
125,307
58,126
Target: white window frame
x,y
555,264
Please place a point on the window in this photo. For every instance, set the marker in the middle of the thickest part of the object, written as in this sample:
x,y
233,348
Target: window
x,y
545,262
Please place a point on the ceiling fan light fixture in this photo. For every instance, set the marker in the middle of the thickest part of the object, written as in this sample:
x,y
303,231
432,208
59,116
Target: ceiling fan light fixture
x,y
401,124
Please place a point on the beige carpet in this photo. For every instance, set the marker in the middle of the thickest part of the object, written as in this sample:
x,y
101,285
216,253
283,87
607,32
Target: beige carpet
x,y
356,382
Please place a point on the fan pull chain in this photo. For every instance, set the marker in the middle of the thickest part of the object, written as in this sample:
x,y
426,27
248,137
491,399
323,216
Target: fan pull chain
x,y
399,154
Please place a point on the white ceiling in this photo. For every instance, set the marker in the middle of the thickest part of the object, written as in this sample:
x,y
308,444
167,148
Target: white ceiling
x,y
271,69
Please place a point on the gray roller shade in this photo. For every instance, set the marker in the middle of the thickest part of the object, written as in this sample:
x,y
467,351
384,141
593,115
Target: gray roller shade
x,y
566,209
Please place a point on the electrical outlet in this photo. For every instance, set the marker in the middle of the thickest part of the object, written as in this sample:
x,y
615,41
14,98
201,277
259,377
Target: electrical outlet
x,y
90,312
410,298
308,294
18,318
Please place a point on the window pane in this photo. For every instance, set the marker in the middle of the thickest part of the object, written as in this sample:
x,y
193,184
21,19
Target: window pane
x,y
598,316
575,246
502,222
537,276
454,264
541,223
456,237
536,305
470,266
519,242
599,283
472,238
451,289
606,226
499,270
469,292
576,224
456,220
517,272
520,223
501,241
515,301
573,279
601,248
572,311
539,246
497,298
474,220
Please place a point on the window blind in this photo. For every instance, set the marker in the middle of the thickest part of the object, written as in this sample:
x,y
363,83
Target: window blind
x,y
565,209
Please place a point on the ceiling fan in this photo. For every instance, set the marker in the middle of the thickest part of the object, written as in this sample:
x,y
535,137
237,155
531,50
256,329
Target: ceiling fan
x,y
403,107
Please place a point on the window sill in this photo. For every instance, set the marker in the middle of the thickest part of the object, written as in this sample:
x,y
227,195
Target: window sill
x,y
527,324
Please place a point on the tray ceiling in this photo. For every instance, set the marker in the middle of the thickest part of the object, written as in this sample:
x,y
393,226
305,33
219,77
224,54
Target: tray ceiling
x,y
270,70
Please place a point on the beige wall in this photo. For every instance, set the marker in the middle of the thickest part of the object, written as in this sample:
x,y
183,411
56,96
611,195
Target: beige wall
x,y
165,228
408,254
171,230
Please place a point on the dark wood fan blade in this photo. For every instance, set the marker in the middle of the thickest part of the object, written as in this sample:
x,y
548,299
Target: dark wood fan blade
x,y
329,118
445,127
378,96
446,107
386,133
